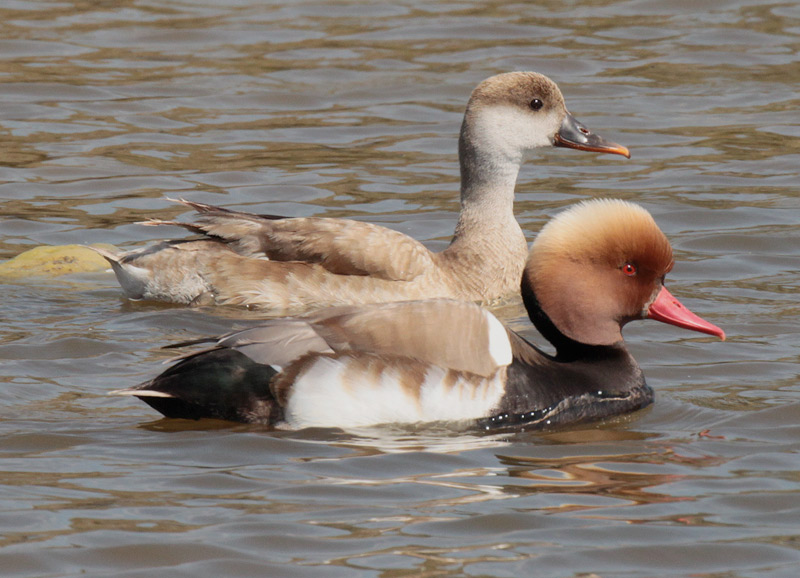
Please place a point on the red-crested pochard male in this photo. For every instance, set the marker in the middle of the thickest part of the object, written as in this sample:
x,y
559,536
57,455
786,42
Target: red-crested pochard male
x,y
591,270
291,264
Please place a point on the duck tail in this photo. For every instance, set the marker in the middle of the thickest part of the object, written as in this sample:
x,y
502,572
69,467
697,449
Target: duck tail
x,y
133,280
219,384
112,258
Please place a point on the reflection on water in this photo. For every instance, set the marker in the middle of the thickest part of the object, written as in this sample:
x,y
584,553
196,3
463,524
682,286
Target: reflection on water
x,y
301,109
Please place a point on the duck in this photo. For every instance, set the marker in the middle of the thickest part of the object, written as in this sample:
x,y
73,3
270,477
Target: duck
x,y
287,265
592,269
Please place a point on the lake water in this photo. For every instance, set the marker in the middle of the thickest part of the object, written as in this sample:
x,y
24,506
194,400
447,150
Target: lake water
x,y
352,109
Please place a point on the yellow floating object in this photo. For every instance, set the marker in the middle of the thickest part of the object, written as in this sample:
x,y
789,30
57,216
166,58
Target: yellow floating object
x,y
55,260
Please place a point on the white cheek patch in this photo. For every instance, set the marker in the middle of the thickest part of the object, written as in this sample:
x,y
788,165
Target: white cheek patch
x,y
512,131
321,398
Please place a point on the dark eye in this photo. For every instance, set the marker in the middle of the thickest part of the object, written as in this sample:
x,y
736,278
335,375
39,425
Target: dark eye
x,y
536,104
629,269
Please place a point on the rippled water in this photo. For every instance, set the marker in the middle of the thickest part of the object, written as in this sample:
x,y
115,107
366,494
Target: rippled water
x,y
352,109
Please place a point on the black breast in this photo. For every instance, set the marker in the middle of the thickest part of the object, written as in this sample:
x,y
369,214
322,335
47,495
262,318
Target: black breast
x,y
544,391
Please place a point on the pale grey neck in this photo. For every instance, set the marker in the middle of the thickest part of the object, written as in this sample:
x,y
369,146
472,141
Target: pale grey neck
x,y
488,179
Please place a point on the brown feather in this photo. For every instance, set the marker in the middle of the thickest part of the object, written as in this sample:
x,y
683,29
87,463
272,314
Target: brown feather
x,y
418,330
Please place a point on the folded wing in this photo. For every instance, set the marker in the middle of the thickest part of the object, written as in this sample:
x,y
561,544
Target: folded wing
x,y
443,332
341,246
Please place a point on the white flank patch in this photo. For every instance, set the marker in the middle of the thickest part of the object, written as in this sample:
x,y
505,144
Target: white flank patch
x,y
499,344
467,399
320,397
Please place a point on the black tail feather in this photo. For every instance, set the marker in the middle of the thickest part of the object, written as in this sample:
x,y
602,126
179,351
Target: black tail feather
x,y
220,384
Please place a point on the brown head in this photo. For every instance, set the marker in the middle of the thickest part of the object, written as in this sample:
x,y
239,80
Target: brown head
x,y
601,264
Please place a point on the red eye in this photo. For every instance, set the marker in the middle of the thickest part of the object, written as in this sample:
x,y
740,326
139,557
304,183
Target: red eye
x,y
629,269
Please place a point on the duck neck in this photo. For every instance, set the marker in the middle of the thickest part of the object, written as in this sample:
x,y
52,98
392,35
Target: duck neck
x,y
582,383
488,178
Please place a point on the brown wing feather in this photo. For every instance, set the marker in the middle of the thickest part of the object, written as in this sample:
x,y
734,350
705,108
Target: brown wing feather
x,y
348,247
443,332
341,246
277,342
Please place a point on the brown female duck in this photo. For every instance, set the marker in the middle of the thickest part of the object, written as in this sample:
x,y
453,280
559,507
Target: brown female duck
x,y
290,264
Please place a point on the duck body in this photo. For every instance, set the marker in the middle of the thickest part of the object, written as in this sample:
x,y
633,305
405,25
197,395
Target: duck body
x,y
340,390
289,265
448,360
292,264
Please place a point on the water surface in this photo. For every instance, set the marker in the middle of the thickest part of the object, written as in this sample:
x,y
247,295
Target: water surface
x,y
352,109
